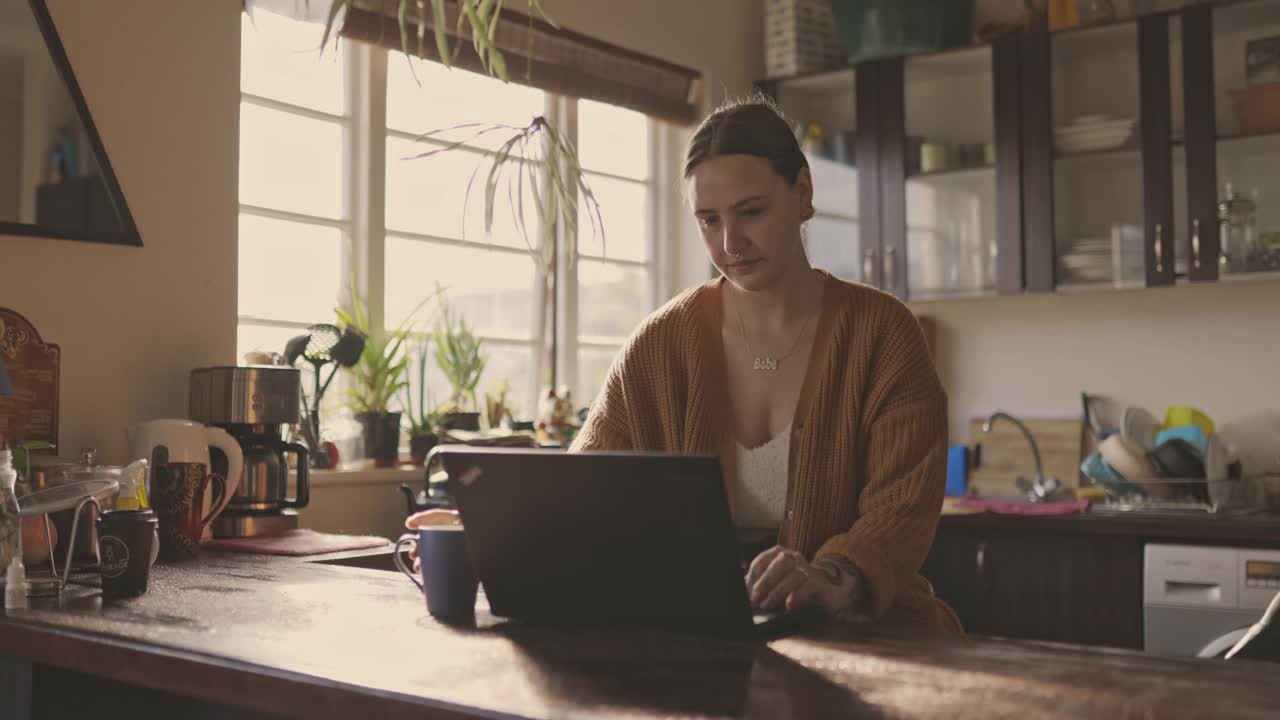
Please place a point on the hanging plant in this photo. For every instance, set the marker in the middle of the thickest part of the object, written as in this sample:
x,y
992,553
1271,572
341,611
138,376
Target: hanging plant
x,y
536,153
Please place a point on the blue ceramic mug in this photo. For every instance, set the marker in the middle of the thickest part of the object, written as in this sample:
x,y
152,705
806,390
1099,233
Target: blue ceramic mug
x,y
448,578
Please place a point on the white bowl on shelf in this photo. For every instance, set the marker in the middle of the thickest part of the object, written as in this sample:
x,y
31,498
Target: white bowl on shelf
x,y
1092,143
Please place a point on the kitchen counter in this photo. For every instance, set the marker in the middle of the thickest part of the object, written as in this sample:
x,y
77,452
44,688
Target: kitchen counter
x,y
1253,529
257,636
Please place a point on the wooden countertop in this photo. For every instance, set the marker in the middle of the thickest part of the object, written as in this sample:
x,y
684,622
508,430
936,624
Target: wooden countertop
x,y
309,640
1254,529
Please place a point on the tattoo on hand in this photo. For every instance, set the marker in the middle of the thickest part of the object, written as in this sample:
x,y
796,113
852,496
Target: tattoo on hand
x,y
831,573
835,568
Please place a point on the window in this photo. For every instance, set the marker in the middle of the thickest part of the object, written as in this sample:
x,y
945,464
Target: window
x,y
293,216
300,147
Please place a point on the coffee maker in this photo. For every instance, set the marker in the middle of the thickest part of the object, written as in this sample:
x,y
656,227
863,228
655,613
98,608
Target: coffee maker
x,y
253,403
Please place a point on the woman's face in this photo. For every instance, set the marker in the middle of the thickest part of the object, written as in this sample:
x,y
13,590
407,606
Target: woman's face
x,y
750,218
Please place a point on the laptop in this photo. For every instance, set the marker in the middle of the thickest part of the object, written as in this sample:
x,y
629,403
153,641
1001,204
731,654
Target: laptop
x,y
605,539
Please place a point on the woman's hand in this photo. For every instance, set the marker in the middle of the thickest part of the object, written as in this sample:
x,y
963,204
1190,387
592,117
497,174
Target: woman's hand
x,y
782,578
429,518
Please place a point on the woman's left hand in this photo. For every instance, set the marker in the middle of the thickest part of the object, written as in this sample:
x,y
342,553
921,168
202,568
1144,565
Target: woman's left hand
x,y
782,578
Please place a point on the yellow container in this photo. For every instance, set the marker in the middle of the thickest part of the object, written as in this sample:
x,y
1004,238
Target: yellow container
x,y
1179,416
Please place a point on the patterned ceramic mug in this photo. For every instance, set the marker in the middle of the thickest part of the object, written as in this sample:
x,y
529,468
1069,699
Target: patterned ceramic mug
x,y
177,496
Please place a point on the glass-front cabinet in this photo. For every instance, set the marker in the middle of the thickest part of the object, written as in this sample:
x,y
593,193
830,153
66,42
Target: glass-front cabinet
x,y
950,181
1097,159
1135,152
823,110
914,190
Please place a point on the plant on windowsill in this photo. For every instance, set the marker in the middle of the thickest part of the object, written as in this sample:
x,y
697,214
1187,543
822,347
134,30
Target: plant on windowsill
x,y
422,423
377,377
459,353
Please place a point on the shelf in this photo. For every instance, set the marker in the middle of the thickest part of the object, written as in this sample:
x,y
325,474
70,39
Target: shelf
x,y
1087,288
960,62
962,173
838,80
933,296
1248,16
1266,141
1249,277
1120,153
1091,41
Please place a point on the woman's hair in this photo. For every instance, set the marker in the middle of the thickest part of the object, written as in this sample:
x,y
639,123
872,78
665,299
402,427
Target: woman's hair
x,y
749,126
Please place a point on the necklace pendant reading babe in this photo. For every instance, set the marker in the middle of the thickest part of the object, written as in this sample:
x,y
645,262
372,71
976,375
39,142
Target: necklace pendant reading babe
x,y
766,363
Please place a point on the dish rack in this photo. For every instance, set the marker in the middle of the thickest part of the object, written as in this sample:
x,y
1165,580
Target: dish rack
x,y
1189,495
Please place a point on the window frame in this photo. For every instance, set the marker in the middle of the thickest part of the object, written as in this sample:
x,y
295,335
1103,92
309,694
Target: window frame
x,y
365,232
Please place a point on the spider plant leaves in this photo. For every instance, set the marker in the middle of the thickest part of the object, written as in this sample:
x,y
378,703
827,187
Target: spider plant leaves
x,y
329,21
536,153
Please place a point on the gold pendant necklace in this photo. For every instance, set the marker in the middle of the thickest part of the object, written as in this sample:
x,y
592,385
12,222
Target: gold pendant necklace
x,y
766,363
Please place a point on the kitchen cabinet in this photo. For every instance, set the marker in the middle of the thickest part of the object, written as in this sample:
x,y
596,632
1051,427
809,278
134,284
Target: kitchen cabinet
x,y
1104,208
1085,159
911,196
1061,588
1068,578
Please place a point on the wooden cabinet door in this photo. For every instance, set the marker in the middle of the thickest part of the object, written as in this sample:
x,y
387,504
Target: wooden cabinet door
x,y
1042,587
954,566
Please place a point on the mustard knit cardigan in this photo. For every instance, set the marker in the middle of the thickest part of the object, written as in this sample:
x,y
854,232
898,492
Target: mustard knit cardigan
x,y
868,451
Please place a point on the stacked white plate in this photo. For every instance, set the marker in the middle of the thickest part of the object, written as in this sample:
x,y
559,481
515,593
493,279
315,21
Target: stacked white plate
x,y
1093,132
1086,260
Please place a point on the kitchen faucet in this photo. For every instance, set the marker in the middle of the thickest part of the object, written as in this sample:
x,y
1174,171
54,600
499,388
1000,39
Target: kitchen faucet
x,y
1038,489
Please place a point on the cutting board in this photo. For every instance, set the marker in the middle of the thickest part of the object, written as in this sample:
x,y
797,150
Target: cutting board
x,y
1006,454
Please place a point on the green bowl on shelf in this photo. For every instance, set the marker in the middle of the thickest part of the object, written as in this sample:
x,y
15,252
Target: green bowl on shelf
x,y
874,29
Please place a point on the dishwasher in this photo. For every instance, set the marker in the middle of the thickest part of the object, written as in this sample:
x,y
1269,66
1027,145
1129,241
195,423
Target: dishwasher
x,y
1201,600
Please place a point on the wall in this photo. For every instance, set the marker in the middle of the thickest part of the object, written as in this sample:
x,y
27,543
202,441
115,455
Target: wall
x,y
1216,347
132,322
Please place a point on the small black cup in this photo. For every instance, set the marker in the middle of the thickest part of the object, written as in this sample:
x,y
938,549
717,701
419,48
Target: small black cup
x,y
125,538
448,578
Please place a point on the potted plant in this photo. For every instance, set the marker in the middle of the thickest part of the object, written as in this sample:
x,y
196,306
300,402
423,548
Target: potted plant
x,y
422,423
460,357
376,378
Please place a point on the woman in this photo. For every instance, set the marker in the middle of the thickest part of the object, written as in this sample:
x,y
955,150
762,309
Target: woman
x,y
818,395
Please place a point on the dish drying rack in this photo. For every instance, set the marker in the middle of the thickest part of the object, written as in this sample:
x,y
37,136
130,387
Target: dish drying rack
x,y
1198,495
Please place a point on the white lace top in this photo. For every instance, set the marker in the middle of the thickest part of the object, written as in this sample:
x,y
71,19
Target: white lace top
x,y
761,492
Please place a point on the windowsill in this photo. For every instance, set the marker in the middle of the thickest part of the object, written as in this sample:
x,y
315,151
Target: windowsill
x,y
363,477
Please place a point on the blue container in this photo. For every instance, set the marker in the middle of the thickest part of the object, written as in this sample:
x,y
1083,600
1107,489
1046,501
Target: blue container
x,y
957,470
873,29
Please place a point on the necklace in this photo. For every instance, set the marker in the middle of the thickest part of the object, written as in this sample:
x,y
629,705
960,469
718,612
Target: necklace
x,y
765,362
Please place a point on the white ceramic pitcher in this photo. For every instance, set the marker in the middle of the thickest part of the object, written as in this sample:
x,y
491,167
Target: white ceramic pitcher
x,y
187,441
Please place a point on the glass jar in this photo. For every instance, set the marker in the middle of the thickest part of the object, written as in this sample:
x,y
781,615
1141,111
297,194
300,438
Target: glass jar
x,y
1237,230
10,522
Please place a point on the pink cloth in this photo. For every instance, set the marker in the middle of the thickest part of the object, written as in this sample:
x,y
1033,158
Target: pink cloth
x,y
296,542
1019,507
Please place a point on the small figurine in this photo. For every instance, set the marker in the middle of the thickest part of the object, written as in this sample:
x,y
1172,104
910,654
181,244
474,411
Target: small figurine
x,y
557,422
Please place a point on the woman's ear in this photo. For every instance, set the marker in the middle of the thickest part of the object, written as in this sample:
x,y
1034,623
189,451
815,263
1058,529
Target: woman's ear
x,y
803,188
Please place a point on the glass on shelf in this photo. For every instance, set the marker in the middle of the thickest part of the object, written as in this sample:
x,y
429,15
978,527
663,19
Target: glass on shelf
x,y
951,181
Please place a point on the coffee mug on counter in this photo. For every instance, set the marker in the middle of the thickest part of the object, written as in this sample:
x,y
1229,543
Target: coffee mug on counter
x,y
448,578
178,498
170,443
126,549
